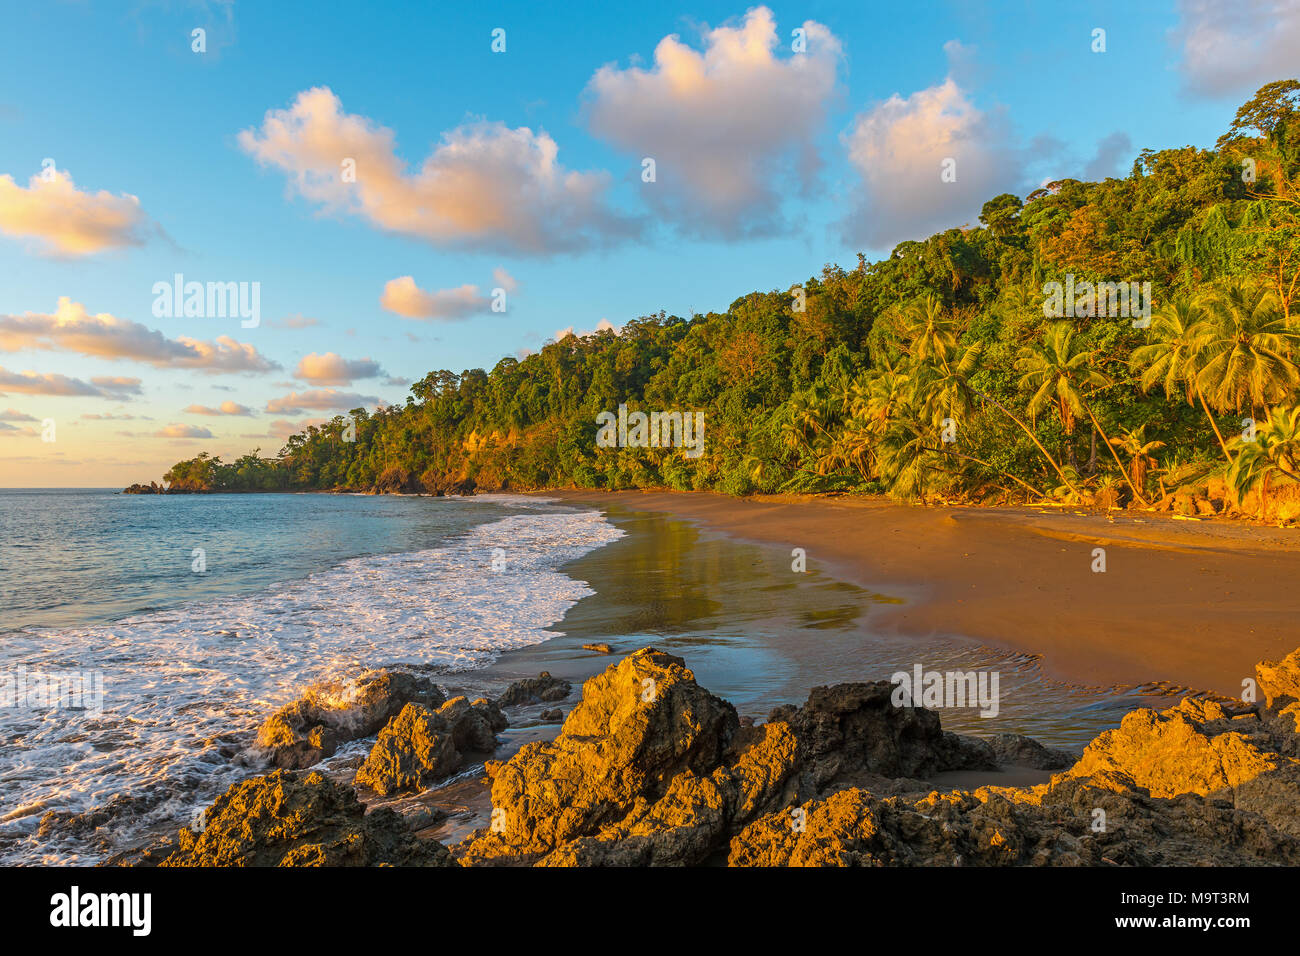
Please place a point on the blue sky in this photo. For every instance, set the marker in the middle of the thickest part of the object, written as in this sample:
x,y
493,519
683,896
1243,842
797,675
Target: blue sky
x,y
766,170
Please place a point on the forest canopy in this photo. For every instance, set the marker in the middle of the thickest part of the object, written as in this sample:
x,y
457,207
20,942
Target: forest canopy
x,y
934,372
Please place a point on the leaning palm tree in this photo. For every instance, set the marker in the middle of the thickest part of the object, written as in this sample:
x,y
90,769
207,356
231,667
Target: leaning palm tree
x,y
1246,346
1173,359
1057,371
1275,450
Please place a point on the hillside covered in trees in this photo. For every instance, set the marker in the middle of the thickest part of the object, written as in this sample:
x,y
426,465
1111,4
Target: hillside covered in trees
x,y
933,373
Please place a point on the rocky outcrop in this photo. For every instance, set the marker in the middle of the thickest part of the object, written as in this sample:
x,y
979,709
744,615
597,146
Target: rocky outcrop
x,y
1070,823
311,728
153,488
651,769
285,819
1013,750
419,747
541,689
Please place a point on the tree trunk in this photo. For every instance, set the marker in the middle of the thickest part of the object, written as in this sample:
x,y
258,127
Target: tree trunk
x,y
1215,426
1122,470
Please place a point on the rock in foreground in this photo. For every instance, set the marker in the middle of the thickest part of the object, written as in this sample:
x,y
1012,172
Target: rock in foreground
x,y
650,769
287,820
419,747
305,732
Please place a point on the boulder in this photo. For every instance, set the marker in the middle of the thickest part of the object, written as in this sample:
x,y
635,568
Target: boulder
x,y
311,728
419,747
284,819
856,728
1014,750
1279,681
534,690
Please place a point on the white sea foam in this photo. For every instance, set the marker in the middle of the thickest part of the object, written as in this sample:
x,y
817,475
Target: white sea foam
x,y
177,682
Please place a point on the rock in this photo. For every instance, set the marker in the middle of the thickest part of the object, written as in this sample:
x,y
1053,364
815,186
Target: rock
x,y
1053,825
419,747
311,728
153,488
531,690
474,726
856,728
650,770
1279,680
1014,750
283,819
413,750
1196,747
553,713
640,724
598,648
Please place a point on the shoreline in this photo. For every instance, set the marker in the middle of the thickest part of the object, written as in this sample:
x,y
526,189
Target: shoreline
x,y
1183,604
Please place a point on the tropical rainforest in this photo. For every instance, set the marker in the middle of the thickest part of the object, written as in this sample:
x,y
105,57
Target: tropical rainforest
x,y
934,374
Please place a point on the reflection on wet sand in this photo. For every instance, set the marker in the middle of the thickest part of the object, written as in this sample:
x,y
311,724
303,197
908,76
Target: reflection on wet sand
x,y
760,634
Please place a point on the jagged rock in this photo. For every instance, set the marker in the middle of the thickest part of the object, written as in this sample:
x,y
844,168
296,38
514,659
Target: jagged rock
x,y
1015,750
553,713
856,728
1279,680
414,749
311,728
419,747
474,726
1057,825
283,819
640,724
1196,747
531,690
650,769
600,648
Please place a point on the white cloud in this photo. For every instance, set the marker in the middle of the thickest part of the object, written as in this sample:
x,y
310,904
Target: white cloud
x,y
403,297
318,400
71,328
485,186
66,221
225,408
899,148
1232,49
731,129
52,383
331,368
183,431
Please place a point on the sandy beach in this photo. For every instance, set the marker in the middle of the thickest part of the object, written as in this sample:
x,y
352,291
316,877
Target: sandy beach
x,y
1190,604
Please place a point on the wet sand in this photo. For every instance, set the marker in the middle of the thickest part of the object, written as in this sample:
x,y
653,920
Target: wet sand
x,y
1190,604
761,635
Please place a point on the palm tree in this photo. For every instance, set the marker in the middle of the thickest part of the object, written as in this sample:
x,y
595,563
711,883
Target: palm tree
x,y
1275,450
941,387
1245,344
1173,359
930,331
1133,442
1058,371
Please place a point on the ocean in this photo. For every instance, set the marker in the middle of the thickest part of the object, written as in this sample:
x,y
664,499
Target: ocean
x,y
203,614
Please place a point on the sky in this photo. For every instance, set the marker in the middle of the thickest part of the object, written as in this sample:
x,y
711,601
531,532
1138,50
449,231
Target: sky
x,y
402,187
